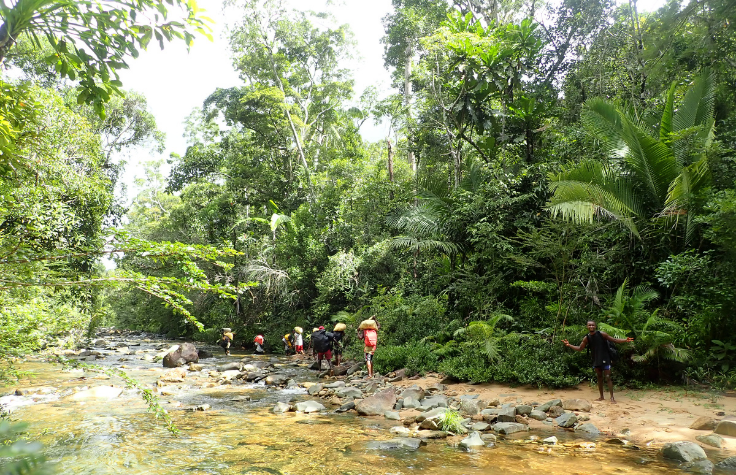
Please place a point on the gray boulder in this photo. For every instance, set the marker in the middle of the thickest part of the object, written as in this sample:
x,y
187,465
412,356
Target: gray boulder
x,y
507,414
276,379
335,385
309,406
588,428
714,440
728,464
392,415
683,451
355,368
410,403
704,467
377,404
349,391
566,420
524,409
346,407
577,405
538,415
314,389
228,367
555,411
480,426
472,441
414,392
433,414
432,434
429,403
183,354
726,428
398,443
508,428
471,407
549,404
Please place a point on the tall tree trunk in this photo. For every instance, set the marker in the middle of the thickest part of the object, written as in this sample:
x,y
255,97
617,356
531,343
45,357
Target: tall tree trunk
x,y
390,167
407,102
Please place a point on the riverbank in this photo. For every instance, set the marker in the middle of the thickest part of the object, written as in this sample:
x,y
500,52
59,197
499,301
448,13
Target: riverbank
x,y
648,417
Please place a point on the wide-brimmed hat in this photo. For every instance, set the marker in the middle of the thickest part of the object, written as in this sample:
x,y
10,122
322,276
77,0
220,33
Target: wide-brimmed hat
x,y
299,330
340,327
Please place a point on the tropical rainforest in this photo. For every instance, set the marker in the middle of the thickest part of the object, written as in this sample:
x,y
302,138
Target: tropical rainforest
x,y
547,163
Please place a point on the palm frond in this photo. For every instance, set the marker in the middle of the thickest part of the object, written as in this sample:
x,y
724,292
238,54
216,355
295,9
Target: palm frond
x,y
611,330
414,244
697,105
665,125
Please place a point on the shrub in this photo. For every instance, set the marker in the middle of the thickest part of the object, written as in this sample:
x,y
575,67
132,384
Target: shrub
x,y
415,357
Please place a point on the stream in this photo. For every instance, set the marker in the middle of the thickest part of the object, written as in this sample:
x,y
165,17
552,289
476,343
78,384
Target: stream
x,y
238,433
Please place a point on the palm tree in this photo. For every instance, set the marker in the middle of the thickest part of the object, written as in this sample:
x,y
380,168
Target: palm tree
x,y
648,176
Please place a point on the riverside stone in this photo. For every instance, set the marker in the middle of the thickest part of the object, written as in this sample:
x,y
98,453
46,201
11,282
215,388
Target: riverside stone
x,y
714,440
377,404
523,409
183,354
432,414
538,415
480,426
704,467
704,423
726,428
550,440
309,406
555,411
432,434
392,415
507,414
415,392
314,389
508,428
410,403
728,464
577,405
405,443
349,391
683,451
346,407
98,392
473,440
588,428
566,420
549,404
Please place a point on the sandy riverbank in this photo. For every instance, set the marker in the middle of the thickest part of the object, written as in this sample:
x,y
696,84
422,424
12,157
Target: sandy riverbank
x,y
653,416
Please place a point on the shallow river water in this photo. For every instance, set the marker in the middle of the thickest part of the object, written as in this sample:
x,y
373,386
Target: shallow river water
x,y
245,437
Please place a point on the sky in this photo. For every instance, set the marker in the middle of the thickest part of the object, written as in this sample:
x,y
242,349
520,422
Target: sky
x,y
176,81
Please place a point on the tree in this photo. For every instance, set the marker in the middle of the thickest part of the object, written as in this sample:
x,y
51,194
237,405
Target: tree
x,y
648,177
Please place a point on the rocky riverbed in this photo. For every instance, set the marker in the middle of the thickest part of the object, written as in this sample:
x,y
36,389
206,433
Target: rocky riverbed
x,y
266,414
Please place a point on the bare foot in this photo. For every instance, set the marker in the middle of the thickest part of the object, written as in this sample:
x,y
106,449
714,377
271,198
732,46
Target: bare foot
x,y
601,399
613,401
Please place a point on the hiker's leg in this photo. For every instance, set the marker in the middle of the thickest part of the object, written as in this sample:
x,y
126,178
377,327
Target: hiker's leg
x,y
599,373
610,383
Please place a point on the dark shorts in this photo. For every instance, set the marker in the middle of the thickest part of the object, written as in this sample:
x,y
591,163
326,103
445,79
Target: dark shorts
x,y
326,355
368,357
604,367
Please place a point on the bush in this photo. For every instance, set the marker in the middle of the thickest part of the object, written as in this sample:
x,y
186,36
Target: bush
x,y
415,357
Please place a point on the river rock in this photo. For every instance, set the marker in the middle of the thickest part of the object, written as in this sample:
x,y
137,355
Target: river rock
x,y
555,411
405,443
524,409
410,403
100,343
728,464
35,390
552,440
229,375
314,389
282,407
400,431
349,391
309,406
346,407
202,354
704,423
480,426
432,434
472,441
98,392
538,415
508,428
430,424
726,428
176,375
415,392
184,353
549,404
507,414
588,428
577,405
354,369
683,451
377,404
714,440
566,420
335,385
435,413
229,367
471,407
195,367
392,415
276,379
703,467
429,403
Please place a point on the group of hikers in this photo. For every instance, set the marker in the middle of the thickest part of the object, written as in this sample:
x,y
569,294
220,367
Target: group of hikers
x,y
321,344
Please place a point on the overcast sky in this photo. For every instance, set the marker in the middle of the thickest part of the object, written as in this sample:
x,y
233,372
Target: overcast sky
x,y
176,81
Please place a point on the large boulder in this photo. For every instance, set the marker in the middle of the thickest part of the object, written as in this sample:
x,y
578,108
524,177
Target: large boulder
x,y
508,428
524,409
405,443
98,393
726,427
414,392
309,406
377,404
538,415
728,464
588,428
566,420
683,451
314,389
714,440
410,403
471,407
507,414
704,423
472,441
183,354
577,405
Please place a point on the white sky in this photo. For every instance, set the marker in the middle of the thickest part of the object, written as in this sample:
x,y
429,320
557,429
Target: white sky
x,y
176,81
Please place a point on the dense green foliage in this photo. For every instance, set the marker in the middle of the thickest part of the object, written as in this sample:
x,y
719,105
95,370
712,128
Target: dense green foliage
x,y
548,164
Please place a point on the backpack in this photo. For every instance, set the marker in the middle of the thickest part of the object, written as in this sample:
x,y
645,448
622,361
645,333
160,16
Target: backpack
x,y
612,350
321,341
371,337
